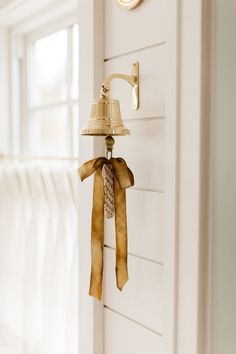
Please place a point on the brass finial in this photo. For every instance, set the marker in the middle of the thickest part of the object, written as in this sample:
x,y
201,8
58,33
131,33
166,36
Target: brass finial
x,y
109,143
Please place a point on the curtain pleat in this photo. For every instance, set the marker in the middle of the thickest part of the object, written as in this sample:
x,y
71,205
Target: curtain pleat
x,y
38,260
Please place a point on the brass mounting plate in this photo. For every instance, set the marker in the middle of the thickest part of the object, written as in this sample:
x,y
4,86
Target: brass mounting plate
x,y
128,4
135,88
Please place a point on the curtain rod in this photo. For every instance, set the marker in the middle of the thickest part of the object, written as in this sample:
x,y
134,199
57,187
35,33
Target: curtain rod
x,y
25,157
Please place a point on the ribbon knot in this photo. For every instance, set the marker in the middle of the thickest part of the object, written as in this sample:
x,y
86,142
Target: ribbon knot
x,y
123,178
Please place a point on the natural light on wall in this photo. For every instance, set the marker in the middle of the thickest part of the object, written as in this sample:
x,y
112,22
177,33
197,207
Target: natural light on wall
x,y
53,93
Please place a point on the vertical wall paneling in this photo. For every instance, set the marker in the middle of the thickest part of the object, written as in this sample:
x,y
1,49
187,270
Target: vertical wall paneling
x,y
193,217
145,309
91,73
170,276
223,180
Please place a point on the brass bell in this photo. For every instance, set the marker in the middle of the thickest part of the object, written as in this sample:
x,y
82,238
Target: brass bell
x,y
105,118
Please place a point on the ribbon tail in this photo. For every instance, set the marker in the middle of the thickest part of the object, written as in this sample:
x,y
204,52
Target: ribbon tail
x,y
97,237
123,174
121,236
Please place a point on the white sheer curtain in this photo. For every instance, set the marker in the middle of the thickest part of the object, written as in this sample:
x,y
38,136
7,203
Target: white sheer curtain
x,y
38,260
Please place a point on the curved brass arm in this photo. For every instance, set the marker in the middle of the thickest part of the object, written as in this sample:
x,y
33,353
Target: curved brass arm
x,y
133,80
106,86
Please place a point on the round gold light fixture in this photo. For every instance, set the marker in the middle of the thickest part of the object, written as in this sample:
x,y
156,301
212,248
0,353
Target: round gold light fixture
x,y
128,4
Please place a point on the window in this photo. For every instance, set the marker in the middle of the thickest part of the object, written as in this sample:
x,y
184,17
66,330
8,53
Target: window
x,y
52,102
39,115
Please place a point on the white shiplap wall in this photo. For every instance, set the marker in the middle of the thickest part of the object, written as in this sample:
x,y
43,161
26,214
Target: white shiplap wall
x,y
134,319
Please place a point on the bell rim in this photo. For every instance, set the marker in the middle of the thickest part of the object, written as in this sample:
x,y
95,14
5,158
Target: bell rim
x,y
104,132
105,121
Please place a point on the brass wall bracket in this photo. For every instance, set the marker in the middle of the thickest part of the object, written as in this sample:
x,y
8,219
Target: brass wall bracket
x,y
132,79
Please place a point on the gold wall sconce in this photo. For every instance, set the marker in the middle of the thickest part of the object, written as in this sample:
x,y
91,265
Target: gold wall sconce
x,y
128,4
112,178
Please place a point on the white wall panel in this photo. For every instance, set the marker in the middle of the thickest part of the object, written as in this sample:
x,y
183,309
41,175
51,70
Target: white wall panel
x,y
143,151
134,318
126,31
145,225
142,297
152,82
126,337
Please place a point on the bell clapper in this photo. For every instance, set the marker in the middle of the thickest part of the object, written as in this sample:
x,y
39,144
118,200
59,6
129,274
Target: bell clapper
x,y
109,143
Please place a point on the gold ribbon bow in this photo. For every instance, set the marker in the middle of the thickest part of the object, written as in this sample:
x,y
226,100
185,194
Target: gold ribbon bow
x,y
123,178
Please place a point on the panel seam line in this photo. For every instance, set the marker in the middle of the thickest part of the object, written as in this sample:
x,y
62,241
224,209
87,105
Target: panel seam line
x,y
134,321
130,120
143,189
134,51
137,256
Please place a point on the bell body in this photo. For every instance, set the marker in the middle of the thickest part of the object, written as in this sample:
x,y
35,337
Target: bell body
x,y
105,119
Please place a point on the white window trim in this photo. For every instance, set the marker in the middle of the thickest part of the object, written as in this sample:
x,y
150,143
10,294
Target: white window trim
x,y
62,23
91,73
52,26
15,26
20,128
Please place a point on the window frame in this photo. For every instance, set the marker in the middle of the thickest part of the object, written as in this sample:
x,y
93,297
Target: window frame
x,y
20,58
63,23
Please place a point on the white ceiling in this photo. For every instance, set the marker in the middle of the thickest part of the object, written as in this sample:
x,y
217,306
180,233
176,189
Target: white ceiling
x,y
25,13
